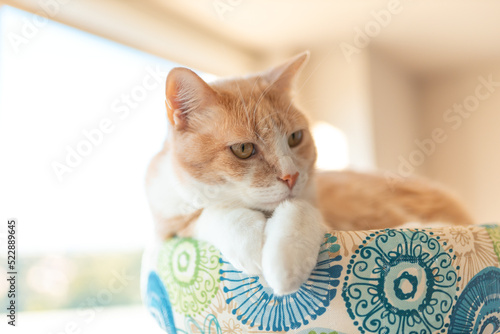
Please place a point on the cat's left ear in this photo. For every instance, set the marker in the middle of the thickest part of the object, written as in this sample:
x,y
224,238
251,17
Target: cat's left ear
x,y
282,76
186,95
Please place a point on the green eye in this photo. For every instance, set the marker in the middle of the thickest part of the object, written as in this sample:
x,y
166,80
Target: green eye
x,y
243,151
295,138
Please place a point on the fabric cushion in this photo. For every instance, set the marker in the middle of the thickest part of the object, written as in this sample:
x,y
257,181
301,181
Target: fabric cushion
x,y
389,281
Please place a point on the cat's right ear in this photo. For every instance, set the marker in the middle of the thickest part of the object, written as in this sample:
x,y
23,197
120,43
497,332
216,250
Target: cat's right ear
x,y
185,92
283,76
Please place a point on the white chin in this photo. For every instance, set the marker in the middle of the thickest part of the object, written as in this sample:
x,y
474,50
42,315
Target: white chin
x,y
268,206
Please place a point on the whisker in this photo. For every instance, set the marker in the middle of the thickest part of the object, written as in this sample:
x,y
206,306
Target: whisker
x,y
259,137
243,102
263,94
251,92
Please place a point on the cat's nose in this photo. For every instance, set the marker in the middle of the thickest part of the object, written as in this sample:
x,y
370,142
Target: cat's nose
x,y
290,179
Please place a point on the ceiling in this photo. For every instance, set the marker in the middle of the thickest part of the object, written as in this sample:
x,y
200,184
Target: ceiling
x,y
229,35
424,35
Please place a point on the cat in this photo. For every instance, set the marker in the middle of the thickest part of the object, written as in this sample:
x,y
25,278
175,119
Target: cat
x,y
237,170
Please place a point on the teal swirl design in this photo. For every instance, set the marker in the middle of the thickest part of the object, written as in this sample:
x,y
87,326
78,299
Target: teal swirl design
x,y
400,281
478,308
190,271
256,305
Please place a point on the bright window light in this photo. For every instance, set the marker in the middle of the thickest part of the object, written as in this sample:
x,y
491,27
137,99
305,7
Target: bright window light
x,y
331,143
80,118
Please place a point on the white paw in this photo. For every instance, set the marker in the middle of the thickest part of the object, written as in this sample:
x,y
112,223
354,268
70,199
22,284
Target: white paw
x,y
238,234
293,238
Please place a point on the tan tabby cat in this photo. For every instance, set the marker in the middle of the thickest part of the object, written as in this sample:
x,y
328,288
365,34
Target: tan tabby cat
x,y
237,171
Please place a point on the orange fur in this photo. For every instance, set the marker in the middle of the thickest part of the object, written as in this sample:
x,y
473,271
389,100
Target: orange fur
x,y
244,113
358,201
206,119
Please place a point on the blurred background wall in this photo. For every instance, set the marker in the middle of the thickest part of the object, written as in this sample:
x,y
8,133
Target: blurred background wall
x,y
406,87
383,72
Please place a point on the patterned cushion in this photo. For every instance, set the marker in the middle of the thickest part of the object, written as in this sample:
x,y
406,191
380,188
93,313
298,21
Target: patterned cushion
x,y
391,281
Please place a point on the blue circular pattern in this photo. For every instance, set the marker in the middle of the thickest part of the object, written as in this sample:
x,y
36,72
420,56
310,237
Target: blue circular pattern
x,y
210,326
400,281
158,303
256,304
478,308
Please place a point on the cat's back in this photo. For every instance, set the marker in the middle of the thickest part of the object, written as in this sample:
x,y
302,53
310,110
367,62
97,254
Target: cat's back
x,y
352,201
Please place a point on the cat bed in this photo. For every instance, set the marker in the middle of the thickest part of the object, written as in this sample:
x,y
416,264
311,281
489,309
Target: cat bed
x,y
392,281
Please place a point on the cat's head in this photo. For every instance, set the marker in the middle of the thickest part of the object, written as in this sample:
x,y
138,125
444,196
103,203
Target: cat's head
x,y
240,141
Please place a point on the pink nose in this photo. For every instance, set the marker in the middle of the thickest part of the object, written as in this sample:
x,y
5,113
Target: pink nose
x,y
290,179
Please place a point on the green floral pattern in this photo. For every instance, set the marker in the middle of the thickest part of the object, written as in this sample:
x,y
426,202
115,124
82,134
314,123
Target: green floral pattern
x,y
190,271
494,232
395,281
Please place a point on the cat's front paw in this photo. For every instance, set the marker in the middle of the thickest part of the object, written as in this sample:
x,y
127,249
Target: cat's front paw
x,y
243,241
293,238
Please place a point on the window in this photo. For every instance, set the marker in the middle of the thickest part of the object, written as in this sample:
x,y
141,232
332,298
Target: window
x,y
80,118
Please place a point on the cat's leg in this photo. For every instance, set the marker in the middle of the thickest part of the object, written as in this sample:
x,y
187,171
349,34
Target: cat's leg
x,y
238,233
293,237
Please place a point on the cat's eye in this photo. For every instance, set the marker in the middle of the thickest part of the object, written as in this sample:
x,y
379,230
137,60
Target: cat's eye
x,y
295,138
243,151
